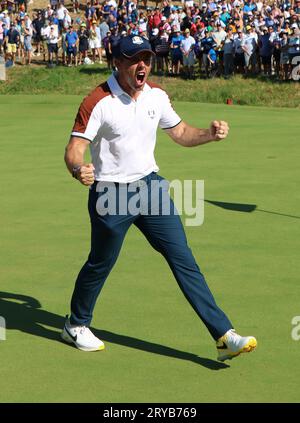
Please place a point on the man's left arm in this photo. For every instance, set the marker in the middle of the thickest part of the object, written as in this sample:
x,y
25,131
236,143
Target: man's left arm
x,y
189,136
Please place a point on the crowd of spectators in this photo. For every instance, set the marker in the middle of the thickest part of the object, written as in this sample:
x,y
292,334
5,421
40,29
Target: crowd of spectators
x,y
206,39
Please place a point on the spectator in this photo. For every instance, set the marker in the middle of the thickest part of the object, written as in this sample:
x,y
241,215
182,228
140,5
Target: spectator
x,y
294,47
162,51
284,56
219,36
113,41
229,48
12,39
38,24
67,20
95,41
153,39
206,44
72,42
48,12
187,49
83,37
60,13
53,44
249,45
1,37
176,53
108,50
239,59
266,50
212,60
28,31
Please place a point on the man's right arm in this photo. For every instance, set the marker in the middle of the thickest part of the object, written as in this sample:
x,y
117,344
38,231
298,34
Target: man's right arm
x,y
74,158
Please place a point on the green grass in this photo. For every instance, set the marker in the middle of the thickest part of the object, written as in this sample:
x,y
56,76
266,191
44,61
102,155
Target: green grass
x,y
156,347
252,91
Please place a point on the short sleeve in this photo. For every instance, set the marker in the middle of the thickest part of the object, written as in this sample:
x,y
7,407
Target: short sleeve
x,y
169,118
87,122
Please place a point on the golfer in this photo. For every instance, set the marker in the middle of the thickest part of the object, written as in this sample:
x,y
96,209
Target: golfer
x,y
118,121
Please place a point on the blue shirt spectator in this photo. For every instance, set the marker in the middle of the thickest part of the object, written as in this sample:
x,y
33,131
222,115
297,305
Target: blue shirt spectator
x,y
71,38
213,56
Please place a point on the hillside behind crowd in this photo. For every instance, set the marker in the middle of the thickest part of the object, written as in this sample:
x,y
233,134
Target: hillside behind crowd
x,y
190,39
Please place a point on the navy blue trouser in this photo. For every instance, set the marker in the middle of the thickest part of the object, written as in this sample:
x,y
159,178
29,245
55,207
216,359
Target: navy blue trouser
x,y
166,235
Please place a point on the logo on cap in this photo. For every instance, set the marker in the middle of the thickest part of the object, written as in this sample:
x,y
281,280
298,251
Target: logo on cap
x,y
137,40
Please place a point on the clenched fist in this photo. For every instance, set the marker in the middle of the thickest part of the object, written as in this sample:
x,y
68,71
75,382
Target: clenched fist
x,y
219,130
85,174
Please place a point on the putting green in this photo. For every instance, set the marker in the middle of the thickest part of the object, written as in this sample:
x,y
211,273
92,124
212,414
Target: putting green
x,y
156,347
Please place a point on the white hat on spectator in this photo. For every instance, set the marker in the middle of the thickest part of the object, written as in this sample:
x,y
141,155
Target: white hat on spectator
x,y
163,18
294,26
155,31
204,5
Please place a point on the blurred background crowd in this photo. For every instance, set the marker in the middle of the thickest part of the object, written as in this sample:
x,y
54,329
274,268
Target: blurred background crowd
x,y
190,39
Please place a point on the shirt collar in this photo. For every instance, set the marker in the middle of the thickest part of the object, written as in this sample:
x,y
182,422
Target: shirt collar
x,y
115,88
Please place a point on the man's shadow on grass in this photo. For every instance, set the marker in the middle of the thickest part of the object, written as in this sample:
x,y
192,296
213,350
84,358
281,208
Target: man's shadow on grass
x,y
25,313
247,208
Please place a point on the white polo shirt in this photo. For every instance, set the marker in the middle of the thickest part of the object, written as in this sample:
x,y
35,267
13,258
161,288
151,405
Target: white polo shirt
x,y
122,131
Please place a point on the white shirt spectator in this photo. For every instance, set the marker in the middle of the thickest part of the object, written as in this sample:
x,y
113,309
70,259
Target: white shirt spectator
x,y
28,22
259,5
187,43
273,37
113,3
6,21
52,36
67,20
29,31
236,3
250,42
219,37
61,12
48,12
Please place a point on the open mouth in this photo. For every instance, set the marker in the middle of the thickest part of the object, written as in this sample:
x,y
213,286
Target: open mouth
x,y
140,77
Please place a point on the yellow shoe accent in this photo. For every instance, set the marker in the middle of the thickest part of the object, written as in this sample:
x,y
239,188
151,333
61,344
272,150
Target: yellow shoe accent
x,y
232,345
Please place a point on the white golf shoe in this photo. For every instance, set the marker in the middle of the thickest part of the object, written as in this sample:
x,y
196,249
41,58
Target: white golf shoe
x,y
82,337
231,345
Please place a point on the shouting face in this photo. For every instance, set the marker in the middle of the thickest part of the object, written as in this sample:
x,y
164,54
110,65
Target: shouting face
x,y
133,72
